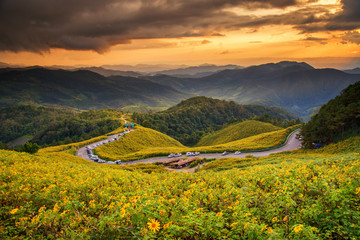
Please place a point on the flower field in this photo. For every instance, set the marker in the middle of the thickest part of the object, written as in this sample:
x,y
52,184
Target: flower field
x,y
60,196
145,142
237,131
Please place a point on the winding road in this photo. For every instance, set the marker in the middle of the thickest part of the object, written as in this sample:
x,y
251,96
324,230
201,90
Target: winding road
x,y
291,144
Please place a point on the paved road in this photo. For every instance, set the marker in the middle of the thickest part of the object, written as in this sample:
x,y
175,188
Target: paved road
x,y
291,144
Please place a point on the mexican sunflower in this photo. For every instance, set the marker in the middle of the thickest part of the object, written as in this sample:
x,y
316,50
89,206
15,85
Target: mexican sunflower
x,y
154,225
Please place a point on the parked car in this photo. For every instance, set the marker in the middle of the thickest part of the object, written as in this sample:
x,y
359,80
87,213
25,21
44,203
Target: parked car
x,y
237,152
171,155
177,155
118,162
225,153
189,154
196,153
101,161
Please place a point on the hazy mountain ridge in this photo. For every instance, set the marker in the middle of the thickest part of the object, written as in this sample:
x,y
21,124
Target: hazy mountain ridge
x,y
82,89
296,86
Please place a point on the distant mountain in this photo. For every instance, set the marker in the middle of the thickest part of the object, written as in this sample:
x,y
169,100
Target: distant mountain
x,y
353,71
189,120
298,87
336,120
197,71
109,72
82,89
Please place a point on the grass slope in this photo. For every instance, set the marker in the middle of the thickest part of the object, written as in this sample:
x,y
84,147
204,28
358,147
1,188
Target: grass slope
x,y
237,131
140,140
56,195
345,149
145,143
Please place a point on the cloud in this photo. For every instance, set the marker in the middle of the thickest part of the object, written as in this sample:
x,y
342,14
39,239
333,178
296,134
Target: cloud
x,y
40,25
352,36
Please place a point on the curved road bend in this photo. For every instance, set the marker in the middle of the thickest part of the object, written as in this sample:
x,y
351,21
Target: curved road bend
x,y
291,144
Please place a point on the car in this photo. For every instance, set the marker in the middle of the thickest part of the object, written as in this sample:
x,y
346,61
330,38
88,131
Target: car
x,y
196,153
225,153
101,161
237,152
117,162
177,155
110,162
189,154
171,155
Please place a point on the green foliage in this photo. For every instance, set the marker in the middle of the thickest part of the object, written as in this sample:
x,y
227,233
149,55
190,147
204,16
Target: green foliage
x,y
335,119
30,147
50,126
188,121
236,131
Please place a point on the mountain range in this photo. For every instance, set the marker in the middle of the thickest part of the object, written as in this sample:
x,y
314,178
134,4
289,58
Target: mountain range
x,y
295,86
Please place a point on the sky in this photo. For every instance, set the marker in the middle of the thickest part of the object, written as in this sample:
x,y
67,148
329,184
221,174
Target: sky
x,y
324,33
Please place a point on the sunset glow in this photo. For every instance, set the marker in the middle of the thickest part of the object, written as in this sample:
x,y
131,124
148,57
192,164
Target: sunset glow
x,y
244,33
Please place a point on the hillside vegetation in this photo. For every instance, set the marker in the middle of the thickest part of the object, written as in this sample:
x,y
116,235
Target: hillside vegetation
x,y
237,131
56,195
338,119
189,120
51,126
145,143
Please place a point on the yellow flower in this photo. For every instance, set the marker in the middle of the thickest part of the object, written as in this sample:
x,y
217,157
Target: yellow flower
x,y
154,225
14,211
298,228
162,211
234,224
246,224
275,219
285,218
269,230
219,214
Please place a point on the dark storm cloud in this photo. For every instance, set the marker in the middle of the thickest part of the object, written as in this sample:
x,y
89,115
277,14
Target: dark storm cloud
x,y
39,25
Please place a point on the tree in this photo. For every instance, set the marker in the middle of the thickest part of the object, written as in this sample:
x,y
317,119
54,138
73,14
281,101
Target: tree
x,y
30,147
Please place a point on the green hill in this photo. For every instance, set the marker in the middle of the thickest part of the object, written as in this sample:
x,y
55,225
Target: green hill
x,y
51,126
338,119
141,140
237,131
189,120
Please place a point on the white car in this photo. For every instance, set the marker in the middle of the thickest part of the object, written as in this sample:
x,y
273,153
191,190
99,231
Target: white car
x,y
196,153
177,155
101,161
237,152
171,155
189,154
118,161
225,153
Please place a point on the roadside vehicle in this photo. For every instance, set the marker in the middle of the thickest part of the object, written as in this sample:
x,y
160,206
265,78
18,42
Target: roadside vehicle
x,y
225,153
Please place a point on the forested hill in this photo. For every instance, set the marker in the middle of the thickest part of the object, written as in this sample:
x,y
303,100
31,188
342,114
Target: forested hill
x,y
191,118
338,119
49,126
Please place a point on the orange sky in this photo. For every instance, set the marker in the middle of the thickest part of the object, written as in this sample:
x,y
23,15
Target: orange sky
x,y
250,43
